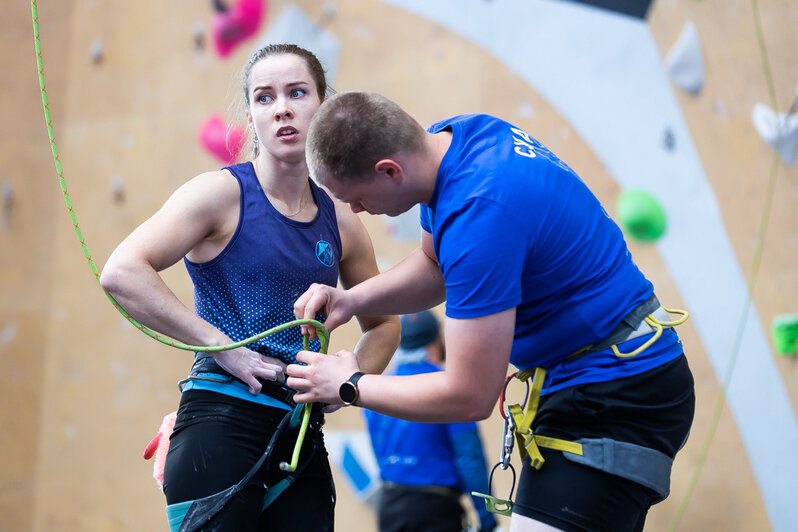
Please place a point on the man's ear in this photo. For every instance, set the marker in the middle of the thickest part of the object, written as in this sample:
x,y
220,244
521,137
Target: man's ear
x,y
390,169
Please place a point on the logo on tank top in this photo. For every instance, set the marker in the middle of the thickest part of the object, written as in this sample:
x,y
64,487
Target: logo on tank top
x,y
324,252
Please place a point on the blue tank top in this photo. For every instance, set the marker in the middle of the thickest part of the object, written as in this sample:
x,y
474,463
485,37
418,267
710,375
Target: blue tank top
x,y
270,261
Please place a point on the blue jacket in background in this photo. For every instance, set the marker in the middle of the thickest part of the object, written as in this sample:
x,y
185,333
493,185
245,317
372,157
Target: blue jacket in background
x,y
430,454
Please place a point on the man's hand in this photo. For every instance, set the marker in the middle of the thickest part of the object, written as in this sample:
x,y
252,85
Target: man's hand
x,y
333,303
320,379
249,366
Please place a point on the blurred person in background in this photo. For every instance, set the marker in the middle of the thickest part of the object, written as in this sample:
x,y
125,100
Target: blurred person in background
x,y
425,467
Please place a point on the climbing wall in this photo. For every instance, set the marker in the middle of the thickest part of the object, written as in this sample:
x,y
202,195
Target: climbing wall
x,y
27,232
131,83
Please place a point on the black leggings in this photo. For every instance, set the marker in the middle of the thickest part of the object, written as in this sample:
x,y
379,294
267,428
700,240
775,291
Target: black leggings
x,y
217,439
654,409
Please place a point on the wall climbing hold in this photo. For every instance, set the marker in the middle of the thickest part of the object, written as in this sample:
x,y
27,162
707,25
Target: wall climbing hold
x,y
235,23
685,61
779,130
221,140
640,215
96,51
784,333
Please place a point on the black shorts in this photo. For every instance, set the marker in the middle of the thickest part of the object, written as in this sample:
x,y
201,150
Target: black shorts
x,y
217,439
654,409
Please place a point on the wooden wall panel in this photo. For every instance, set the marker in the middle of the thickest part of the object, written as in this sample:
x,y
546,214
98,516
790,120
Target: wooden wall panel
x,y
26,251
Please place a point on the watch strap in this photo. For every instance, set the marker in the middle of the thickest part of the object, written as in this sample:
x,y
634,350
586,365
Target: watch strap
x,y
355,377
350,385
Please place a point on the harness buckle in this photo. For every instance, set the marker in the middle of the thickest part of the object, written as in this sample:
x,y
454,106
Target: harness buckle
x,y
204,376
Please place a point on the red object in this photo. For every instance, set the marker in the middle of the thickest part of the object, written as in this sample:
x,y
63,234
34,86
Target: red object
x,y
149,451
235,25
222,141
159,447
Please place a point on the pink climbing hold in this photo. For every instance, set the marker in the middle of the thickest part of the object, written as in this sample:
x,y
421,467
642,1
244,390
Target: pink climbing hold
x,y
222,141
233,24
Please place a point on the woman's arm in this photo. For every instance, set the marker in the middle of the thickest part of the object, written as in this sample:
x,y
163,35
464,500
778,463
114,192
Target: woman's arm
x,y
195,220
192,214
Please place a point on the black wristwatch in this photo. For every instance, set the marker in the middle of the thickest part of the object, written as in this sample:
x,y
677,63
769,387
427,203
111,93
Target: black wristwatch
x,y
348,392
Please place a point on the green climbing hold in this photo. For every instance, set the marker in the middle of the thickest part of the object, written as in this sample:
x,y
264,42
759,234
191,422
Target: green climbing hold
x,y
784,332
640,215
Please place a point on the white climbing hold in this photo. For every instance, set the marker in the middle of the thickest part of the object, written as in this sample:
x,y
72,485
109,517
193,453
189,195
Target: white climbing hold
x,y
96,51
779,130
685,61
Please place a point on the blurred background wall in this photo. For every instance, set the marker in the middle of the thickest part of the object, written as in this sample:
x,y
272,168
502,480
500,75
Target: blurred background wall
x,y
613,94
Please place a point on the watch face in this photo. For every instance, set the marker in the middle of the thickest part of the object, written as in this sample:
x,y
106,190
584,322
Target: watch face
x,y
348,392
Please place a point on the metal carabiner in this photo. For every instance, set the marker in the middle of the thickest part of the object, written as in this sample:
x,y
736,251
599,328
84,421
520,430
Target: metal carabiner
x,y
503,410
508,442
508,438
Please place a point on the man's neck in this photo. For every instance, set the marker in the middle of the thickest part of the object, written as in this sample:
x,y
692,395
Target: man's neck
x,y
437,144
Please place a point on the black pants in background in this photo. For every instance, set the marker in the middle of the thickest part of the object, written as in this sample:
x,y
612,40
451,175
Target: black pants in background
x,y
407,509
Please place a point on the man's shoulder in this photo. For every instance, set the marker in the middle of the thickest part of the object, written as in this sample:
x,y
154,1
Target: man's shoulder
x,y
464,120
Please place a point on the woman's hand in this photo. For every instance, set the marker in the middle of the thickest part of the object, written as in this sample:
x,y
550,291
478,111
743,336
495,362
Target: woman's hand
x,y
248,366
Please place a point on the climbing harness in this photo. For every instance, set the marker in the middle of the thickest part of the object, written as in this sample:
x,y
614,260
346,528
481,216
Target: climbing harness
x,y
644,319
189,516
643,465
192,515
528,442
321,331
272,393
494,504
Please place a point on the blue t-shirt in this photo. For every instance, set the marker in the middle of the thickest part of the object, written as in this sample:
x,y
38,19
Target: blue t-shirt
x,y
270,261
514,226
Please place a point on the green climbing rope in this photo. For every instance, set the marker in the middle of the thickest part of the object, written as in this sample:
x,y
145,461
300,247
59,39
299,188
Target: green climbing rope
x,y
757,260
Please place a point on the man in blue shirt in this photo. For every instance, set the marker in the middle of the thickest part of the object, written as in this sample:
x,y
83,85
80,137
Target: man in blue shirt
x,y
534,273
426,467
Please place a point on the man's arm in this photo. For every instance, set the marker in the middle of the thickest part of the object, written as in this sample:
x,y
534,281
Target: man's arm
x,y
477,356
380,336
192,220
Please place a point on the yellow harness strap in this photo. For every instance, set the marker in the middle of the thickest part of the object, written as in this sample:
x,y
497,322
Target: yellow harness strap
x,y
528,442
658,327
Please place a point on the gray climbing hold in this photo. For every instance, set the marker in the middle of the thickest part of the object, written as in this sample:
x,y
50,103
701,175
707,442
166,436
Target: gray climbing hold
x,y
779,130
685,62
